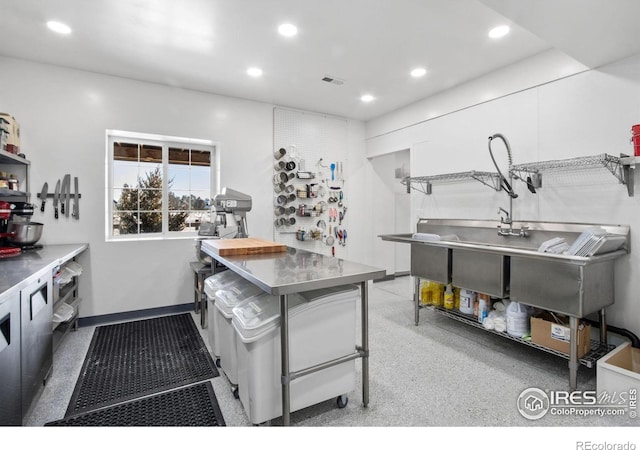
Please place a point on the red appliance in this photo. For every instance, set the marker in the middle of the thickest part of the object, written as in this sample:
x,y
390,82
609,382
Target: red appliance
x,y
5,214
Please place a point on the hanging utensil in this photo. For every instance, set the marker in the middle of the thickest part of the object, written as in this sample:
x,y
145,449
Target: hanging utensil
x,y
76,197
56,198
43,195
328,239
65,192
333,168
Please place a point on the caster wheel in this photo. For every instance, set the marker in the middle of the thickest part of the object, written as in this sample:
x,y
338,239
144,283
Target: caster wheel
x,y
218,365
236,393
342,401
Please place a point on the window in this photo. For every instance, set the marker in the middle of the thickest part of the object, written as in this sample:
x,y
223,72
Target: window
x,y
158,187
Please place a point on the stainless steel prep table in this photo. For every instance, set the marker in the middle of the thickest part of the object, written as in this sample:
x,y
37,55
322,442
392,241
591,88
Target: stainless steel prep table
x,y
18,271
296,271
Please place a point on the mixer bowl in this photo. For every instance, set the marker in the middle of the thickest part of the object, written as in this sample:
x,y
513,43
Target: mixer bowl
x,y
24,233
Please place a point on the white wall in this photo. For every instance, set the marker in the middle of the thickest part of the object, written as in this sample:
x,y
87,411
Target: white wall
x,y
586,114
63,115
403,126
392,211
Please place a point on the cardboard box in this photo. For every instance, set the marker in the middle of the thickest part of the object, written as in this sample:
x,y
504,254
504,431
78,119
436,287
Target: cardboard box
x,y
619,370
546,331
13,129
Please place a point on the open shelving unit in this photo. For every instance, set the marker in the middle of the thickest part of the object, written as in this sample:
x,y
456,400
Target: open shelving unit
x,y
65,293
589,360
20,166
424,183
622,168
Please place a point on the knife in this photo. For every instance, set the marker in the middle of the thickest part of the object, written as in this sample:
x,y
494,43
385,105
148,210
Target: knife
x,y
43,195
56,197
76,209
65,192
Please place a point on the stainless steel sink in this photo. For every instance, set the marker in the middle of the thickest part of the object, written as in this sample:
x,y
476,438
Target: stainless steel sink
x,y
472,254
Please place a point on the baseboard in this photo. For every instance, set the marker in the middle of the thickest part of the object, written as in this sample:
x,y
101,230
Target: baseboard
x,y
133,315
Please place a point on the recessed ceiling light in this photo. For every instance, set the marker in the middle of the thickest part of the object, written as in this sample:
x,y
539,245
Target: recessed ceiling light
x,y
58,27
254,71
418,72
287,29
367,98
499,32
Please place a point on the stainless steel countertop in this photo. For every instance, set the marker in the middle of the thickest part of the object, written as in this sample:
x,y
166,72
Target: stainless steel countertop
x,y
504,250
295,270
17,271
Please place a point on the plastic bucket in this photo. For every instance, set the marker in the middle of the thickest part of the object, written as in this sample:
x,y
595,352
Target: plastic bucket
x,y
467,301
518,322
635,139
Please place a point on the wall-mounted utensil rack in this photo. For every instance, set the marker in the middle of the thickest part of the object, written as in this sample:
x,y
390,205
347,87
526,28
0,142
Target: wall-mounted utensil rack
x,y
424,183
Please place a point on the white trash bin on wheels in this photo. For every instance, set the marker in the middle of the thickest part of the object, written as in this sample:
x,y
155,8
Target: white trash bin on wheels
x,y
211,285
226,299
322,327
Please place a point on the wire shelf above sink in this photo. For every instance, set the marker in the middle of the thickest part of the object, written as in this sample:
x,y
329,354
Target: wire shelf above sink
x,y
622,167
424,183
532,172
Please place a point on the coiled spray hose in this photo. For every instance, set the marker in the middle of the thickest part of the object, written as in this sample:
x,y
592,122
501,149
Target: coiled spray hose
x,y
503,180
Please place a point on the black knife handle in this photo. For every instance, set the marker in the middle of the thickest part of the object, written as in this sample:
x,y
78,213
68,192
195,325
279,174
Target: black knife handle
x,y
56,213
61,208
42,207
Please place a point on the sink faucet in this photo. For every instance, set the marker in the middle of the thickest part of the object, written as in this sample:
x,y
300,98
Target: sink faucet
x,y
506,186
505,219
524,229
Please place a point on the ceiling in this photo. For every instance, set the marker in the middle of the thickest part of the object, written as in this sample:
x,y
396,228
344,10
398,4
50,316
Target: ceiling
x,y
371,45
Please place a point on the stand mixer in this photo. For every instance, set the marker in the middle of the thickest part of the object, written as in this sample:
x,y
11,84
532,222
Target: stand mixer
x,y
230,208
17,232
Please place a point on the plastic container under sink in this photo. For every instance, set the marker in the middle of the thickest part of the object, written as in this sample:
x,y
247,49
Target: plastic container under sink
x,y
212,284
322,327
518,320
226,299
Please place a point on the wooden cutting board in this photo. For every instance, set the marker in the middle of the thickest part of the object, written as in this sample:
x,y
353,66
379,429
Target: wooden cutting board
x,y
245,246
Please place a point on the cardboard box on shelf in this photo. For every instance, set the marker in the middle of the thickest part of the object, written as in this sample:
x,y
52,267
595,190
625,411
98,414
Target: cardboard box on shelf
x,y
552,331
13,129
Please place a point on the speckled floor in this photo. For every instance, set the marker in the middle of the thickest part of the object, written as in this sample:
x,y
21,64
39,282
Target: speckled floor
x,y
440,373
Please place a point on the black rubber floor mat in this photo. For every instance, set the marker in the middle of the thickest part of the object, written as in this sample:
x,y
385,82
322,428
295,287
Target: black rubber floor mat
x,y
133,359
191,406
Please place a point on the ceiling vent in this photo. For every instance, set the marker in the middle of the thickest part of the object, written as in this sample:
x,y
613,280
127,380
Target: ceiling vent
x,y
333,80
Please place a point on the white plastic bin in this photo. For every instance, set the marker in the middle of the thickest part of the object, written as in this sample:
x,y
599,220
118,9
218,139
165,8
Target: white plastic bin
x,y
211,285
619,371
226,299
322,327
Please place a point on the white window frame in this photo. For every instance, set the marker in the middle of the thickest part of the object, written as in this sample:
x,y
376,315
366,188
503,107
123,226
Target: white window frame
x,y
165,142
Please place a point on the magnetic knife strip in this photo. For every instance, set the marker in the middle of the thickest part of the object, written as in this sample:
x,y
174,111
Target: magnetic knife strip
x,y
62,197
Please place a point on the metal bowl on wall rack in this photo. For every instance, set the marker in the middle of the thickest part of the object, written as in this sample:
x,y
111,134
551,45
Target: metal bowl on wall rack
x,y
280,177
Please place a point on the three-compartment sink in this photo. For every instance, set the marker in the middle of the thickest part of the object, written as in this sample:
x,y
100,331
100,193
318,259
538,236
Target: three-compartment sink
x,y
471,254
